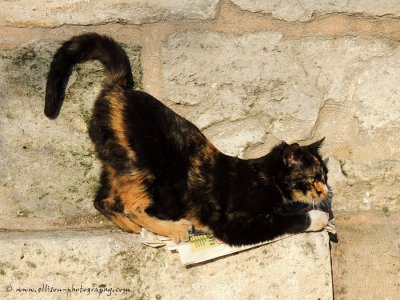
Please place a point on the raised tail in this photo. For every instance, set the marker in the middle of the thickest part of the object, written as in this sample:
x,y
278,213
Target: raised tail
x,y
81,48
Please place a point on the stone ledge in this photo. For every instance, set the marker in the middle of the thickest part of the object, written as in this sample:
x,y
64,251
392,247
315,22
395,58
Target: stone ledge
x,y
41,13
294,268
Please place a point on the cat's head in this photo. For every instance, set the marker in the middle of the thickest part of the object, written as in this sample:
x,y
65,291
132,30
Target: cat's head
x,y
304,175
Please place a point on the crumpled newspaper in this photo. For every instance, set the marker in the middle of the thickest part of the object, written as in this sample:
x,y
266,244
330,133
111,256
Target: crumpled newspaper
x,y
200,247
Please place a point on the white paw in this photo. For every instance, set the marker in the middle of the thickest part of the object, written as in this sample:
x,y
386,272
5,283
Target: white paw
x,y
319,220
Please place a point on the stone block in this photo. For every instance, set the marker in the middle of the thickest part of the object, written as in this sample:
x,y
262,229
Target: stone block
x,y
293,268
41,13
305,10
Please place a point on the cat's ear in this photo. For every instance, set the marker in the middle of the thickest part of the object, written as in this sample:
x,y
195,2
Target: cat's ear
x,y
314,147
290,155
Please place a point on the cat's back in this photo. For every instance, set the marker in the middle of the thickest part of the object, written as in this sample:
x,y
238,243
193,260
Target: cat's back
x,y
157,137
149,121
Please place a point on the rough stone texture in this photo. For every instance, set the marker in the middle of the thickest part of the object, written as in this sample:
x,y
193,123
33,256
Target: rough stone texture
x,y
366,261
305,10
48,167
42,13
335,76
250,91
344,89
117,260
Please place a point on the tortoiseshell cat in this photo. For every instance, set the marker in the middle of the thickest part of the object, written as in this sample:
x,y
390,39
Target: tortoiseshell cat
x,y
161,173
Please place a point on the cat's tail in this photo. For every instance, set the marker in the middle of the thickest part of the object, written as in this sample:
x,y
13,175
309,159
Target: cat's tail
x,y
81,48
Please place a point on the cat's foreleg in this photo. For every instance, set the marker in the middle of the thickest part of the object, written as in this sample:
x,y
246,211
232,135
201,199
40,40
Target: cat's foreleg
x,y
242,228
318,220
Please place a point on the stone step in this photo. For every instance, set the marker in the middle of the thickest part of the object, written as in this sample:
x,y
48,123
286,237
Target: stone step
x,y
88,264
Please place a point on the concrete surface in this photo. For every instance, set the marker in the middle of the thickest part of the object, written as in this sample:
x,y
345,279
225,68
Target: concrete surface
x,y
366,261
297,267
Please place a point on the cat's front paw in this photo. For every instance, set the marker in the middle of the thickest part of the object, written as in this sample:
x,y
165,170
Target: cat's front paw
x,y
318,220
180,231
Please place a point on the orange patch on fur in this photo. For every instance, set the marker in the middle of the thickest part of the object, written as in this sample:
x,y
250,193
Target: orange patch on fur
x,y
135,199
310,197
130,188
207,155
125,223
116,99
321,187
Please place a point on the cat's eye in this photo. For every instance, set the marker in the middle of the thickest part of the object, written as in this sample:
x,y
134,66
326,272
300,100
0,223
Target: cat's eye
x,y
319,178
311,179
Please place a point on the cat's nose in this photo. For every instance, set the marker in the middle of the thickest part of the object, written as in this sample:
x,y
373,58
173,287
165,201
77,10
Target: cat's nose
x,y
321,188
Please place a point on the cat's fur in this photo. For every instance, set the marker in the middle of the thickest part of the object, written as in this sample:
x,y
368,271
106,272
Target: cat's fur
x,y
161,173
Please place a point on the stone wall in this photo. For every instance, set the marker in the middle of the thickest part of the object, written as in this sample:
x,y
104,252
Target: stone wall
x,y
248,73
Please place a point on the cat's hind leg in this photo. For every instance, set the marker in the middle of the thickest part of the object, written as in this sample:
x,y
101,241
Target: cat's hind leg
x,y
124,200
110,207
137,202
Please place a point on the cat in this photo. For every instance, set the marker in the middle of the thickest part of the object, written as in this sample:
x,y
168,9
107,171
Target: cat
x,y
161,173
